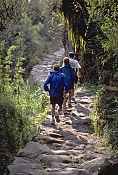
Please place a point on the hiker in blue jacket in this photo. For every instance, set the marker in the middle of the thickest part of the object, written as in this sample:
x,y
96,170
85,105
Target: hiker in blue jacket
x,y
55,86
69,78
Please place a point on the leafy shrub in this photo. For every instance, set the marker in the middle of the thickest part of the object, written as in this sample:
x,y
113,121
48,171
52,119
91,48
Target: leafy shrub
x,y
11,122
104,116
18,116
19,103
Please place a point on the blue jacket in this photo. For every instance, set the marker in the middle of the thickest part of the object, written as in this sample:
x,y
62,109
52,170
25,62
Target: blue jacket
x,y
69,76
56,82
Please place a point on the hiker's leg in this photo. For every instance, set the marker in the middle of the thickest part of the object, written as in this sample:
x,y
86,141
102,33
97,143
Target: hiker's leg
x,y
65,101
53,109
72,91
69,98
60,110
60,103
52,101
73,94
53,113
57,117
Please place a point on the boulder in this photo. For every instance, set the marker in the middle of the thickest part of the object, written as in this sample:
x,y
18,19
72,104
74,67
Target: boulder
x,y
93,165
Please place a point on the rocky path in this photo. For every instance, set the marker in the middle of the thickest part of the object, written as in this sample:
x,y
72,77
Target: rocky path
x,y
40,72
69,148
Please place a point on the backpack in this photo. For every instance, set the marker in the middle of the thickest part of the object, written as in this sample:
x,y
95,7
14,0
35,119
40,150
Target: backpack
x,y
57,83
69,74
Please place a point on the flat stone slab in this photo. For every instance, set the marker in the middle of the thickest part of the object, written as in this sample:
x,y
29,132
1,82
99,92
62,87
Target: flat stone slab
x,y
33,150
50,140
69,171
49,159
93,165
55,135
25,169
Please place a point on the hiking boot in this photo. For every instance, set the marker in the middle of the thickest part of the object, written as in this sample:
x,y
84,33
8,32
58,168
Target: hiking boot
x,y
70,105
73,100
66,113
60,112
53,121
57,118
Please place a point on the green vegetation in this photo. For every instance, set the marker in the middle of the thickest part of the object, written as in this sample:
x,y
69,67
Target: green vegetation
x,y
93,27
33,26
105,110
104,15
104,117
19,103
28,29
18,123
22,44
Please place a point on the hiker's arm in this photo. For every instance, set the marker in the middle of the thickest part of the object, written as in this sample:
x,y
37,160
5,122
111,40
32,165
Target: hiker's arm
x,y
65,85
65,88
46,88
78,66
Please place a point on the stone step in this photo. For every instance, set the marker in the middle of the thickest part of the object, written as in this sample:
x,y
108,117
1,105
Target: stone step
x,y
68,148
67,171
35,169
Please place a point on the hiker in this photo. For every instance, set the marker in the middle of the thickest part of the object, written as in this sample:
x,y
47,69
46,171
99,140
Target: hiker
x,y
69,78
56,90
76,66
73,61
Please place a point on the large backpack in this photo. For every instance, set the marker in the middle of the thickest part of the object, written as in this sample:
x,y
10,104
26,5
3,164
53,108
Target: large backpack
x,y
69,75
57,83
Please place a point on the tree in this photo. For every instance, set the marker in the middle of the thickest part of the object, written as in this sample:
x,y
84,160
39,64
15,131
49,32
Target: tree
x,y
100,56
11,11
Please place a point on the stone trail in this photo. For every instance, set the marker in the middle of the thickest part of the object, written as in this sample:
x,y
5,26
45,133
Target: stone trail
x,y
69,148
40,71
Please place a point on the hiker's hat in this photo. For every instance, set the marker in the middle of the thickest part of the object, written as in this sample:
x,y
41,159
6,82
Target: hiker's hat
x,y
71,54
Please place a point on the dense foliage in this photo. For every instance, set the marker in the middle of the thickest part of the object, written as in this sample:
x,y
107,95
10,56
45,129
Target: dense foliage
x,y
105,114
34,25
76,13
104,117
27,30
105,15
99,56
92,28
22,44
22,108
11,12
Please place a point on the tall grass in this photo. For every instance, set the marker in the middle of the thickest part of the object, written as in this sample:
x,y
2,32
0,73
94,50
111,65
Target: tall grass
x,y
21,115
